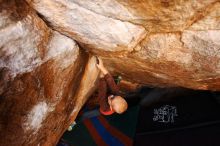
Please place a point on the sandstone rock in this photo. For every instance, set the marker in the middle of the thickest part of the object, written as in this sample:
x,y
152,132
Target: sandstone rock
x,y
92,29
40,71
154,15
177,50
85,88
87,85
45,78
211,21
190,59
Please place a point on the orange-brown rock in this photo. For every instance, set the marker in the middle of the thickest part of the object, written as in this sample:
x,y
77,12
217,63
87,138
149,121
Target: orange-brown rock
x,y
154,15
86,26
43,78
178,47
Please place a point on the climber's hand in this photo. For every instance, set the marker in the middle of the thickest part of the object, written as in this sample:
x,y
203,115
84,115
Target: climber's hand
x,y
100,63
100,66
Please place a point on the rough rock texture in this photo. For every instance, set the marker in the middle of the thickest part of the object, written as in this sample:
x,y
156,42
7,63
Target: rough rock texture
x,y
154,15
45,77
85,88
42,78
86,26
178,47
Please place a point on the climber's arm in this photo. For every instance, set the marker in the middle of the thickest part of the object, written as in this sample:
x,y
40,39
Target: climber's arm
x,y
110,81
102,90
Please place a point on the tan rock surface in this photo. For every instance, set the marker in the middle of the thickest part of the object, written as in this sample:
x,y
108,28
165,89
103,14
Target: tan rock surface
x,y
45,77
92,29
85,88
181,47
191,60
40,72
154,15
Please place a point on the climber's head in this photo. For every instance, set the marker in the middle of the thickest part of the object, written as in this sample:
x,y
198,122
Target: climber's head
x,y
117,104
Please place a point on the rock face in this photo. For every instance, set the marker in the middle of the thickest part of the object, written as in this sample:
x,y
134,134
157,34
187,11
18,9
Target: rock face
x,y
174,43
46,77
86,26
42,78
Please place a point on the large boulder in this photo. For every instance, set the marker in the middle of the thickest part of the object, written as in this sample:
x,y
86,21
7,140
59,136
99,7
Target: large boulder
x,y
43,76
155,15
156,43
84,25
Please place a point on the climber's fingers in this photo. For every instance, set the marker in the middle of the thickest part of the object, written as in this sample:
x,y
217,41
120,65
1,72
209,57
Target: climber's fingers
x,y
99,62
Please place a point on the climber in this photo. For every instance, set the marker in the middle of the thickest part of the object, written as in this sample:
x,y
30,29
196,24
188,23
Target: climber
x,y
114,103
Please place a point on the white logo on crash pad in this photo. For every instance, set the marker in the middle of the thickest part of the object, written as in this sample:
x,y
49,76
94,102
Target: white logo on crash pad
x,y
165,114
